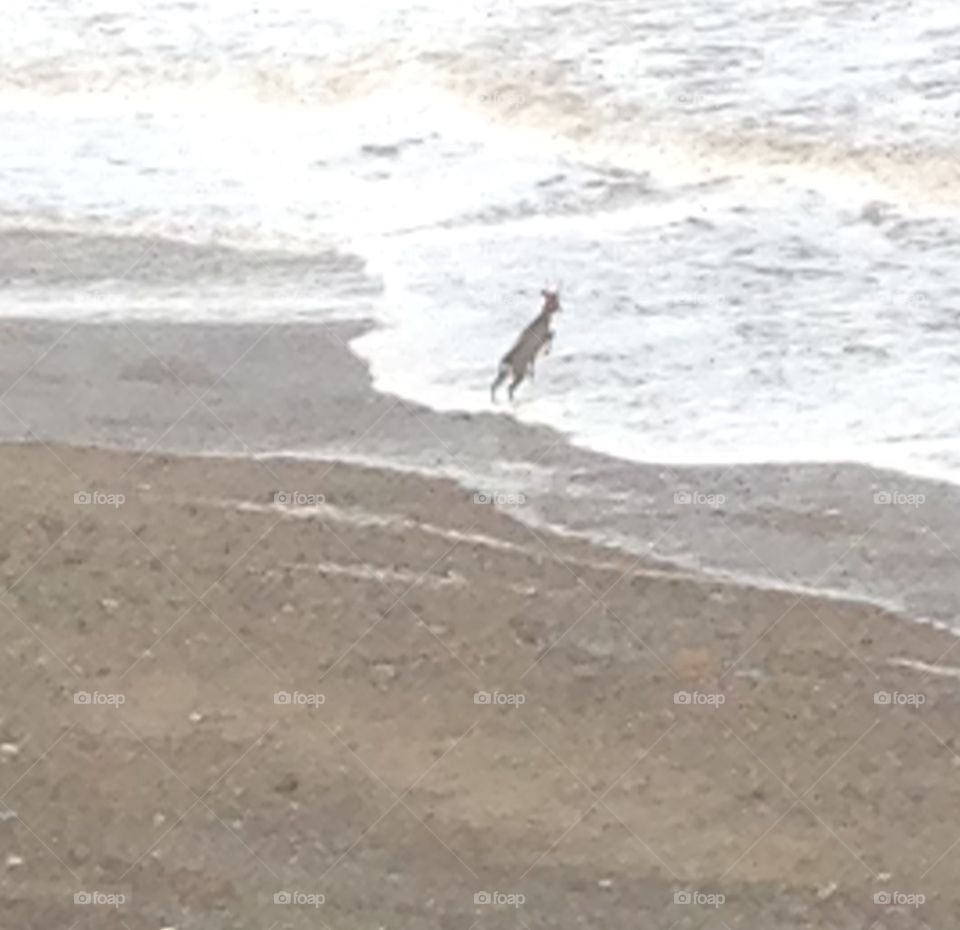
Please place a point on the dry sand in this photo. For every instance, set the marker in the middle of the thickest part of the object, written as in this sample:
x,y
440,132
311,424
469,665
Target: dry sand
x,y
599,799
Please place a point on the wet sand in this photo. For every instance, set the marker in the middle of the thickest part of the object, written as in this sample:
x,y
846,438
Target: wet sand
x,y
782,795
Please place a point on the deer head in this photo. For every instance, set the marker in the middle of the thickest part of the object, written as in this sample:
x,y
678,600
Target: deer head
x,y
551,301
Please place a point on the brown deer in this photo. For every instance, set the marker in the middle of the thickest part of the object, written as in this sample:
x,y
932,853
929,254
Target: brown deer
x,y
520,359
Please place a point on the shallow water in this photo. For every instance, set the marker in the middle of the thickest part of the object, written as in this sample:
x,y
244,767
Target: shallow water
x,y
752,210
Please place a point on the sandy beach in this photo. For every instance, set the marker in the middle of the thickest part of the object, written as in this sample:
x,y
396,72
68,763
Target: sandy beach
x,y
186,595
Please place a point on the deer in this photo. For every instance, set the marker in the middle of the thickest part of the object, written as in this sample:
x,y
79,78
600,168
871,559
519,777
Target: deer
x,y
537,336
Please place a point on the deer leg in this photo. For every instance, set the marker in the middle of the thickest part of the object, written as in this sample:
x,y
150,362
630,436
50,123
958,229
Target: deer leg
x,y
518,377
501,377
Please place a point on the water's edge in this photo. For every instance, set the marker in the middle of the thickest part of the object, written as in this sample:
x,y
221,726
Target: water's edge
x,y
296,390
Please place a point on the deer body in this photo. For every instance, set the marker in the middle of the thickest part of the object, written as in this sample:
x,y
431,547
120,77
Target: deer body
x,y
537,336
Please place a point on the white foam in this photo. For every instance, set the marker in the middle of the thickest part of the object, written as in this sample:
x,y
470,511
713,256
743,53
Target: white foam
x,y
702,323
942,671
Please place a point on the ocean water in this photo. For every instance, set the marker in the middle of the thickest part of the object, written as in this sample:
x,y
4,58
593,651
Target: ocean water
x,y
751,208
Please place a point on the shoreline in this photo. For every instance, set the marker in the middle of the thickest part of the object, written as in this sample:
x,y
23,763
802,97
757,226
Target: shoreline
x,y
251,390
400,599
718,576
668,568
60,254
